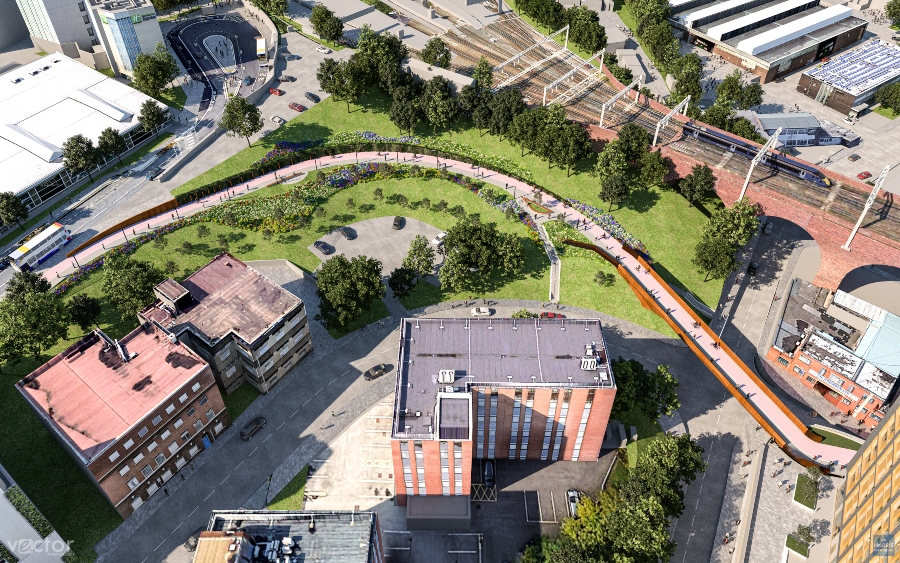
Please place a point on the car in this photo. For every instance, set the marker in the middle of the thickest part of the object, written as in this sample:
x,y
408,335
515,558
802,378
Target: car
x,y
853,157
572,498
481,312
292,57
286,78
489,476
4,264
323,49
153,174
190,544
253,427
751,269
312,97
297,107
770,226
277,119
323,248
551,315
276,92
864,175
439,240
848,121
398,223
247,80
376,371
347,233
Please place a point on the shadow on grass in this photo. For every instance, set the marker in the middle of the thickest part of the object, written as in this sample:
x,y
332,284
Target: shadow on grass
x,y
641,200
376,311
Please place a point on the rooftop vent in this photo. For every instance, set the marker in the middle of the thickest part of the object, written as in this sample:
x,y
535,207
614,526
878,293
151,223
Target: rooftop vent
x,y
446,376
589,364
448,389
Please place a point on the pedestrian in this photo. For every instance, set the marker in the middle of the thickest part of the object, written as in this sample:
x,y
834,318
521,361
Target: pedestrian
x,y
332,414
166,491
737,522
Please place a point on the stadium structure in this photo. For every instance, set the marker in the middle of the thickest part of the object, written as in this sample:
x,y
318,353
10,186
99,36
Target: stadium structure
x,y
769,38
852,78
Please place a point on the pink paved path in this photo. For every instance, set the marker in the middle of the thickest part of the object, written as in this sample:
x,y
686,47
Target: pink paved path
x,y
734,371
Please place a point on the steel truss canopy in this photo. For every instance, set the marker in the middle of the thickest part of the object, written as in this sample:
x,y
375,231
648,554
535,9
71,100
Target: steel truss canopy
x,y
518,56
591,77
665,120
622,93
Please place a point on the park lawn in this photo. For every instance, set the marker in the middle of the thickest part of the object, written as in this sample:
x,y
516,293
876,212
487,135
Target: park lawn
x,y
174,97
241,398
648,429
807,491
886,112
797,546
424,294
291,496
834,439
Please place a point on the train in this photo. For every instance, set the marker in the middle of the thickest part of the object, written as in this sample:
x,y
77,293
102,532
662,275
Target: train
x,y
776,162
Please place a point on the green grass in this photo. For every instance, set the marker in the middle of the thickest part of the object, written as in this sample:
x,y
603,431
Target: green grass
x,y
291,496
377,311
179,14
424,294
807,491
648,430
834,439
885,112
298,27
108,72
796,545
241,398
174,97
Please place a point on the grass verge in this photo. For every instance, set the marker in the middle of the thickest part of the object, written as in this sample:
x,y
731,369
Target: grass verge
x,y
238,401
801,548
424,294
834,439
807,491
174,97
108,72
648,429
291,496
376,311
885,112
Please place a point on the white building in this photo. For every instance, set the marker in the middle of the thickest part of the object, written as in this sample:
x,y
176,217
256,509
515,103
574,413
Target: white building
x,y
127,29
800,129
60,22
46,102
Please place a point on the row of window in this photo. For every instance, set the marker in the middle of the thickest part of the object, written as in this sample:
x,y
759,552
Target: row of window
x,y
158,418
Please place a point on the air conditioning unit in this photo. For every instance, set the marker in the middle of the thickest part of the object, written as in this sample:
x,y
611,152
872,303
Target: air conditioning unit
x,y
589,364
448,389
446,376
588,349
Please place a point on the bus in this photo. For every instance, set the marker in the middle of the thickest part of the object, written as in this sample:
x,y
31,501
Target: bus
x,y
261,49
38,248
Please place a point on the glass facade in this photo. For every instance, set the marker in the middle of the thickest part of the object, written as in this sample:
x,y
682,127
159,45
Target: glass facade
x,y
125,38
514,430
37,19
526,424
548,429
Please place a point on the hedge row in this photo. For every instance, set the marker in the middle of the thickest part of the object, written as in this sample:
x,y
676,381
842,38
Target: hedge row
x,y
28,511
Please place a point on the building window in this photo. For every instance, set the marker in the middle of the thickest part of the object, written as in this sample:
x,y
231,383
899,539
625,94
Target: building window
x,y
195,387
185,436
576,451
810,379
445,469
114,457
146,471
526,424
492,425
420,466
479,440
548,429
851,388
159,459
191,412
138,458
514,429
81,6
157,419
457,467
836,380
151,447
165,434
198,424
133,483
173,447
845,401
210,414
142,432
91,31
805,360
170,409
783,361
231,370
95,41
128,443
561,425
224,354
86,19
407,468
183,398
179,423
124,470
798,369
203,400
875,416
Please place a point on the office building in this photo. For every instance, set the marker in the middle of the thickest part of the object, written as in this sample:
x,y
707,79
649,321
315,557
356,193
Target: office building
x,y
127,29
519,389
131,413
247,327
247,536
59,22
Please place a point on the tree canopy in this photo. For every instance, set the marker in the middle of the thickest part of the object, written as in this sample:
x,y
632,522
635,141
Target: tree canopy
x,y
153,71
347,288
84,310
475,250
326,25
653,393
80,154
436,53
25,282
420,258
241,118
714,255
12,209
151,116
695,185
129,283
402,281
483,74
30,324
111,143
736,224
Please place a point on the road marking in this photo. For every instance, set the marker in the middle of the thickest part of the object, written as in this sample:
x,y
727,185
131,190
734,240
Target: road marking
x,y
295,412
160,545
210,494
145,558
335,379
176,527
254,449
238,465
279,426
303,405
316,393
223,480
193,511
266,438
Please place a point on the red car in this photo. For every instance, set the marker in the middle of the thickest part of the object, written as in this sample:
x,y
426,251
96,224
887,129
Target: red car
x,y
297,107
864,175
549,315
276,92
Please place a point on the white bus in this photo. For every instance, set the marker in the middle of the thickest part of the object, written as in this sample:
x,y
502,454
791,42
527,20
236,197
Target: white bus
x,y
40,247
261,54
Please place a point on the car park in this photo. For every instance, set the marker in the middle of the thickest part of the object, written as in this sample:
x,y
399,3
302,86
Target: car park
x,y
290,57
253,427
398,223
376,371
572,498
312,97
439,240
853,157
489,476
276,92
481,312
323,49
752,268
278,120
323,248
154,173
770,226
297,107
347,233
286,78
864,175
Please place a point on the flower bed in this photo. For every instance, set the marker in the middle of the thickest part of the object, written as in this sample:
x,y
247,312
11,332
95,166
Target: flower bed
x,y
608,223
535,206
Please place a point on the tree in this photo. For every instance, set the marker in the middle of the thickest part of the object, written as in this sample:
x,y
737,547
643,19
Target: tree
x,y
715,256
742,127
526,127
347,288
551,133
25,283
585,30
240,118
12,209
574,147
728,92
347,82
638,531
604,279
611,161
326,25
151,116
438,104
327,74
202,231
652,393
31,324
402,281
469,98
483,74
110,143
524,314
436,53
473,245
688,72
665,467
614,189
80,154
720,115
160,242
751,95
420,258
405,114
892,10
84,310
653,168
804,534
129,283
634,141
695,185
506,105
153,71
736,224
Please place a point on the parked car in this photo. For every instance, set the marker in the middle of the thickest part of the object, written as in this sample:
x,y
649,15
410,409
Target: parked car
x,y
276,92
572,498
297,107
398,223
751,269
481,312
439,240
770,226
292,57
286,78
323,248
154,173
312,97
190,544
253,427
4,264
489,476
551,315
347,233
376,372
848,121
247,80
323,49
277,119
864,175
853,157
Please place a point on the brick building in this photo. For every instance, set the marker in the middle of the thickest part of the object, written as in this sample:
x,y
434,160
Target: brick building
x,y
247,327
537,389
131,412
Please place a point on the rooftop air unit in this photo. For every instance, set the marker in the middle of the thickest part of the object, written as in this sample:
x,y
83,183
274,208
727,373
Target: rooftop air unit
x,y
446,376
589,364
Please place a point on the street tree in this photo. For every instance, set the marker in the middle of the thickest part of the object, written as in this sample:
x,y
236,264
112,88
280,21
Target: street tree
x,y
524,314
728,92
804,534
326,25
111,143
153,71
327,74
420,258
697,184
751,96
667,465
574,146
736,224
12,209
31,324
892,10
402,281
506,105
241,118
84,310
129,283
24,283
483,74
638,532
651,393
437,53
611,161
80,154
715,256
614,190
634,141
347,288
151,117
653,168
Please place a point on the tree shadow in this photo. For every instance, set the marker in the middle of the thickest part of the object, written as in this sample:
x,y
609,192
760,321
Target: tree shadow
x,y
343,218
641,200
288,239
236,236
366,208
245,248
820,529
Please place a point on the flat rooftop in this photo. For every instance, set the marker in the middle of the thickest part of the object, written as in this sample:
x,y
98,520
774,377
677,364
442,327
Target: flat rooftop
x,y
45,102
92,396
227,296
492,352
338,536
805,312
862,69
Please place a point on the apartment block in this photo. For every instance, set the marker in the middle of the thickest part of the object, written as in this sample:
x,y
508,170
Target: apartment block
x,y
131,413
535,389
247,327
